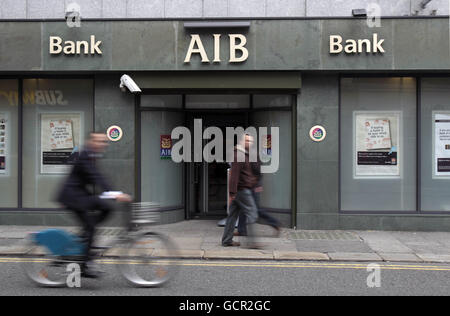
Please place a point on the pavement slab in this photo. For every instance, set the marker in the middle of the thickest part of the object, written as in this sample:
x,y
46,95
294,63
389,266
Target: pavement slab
x,y
327,246
425,242
434,258
428,247
399,257
211,246
384,242
238,254
285,246
295,255
211,239
354,256
188,242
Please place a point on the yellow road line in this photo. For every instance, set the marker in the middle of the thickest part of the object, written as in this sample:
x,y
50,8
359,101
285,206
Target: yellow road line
x,y
244,264
276,264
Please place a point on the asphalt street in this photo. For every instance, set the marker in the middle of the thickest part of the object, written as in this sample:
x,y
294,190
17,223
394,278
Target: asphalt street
x,y
252,278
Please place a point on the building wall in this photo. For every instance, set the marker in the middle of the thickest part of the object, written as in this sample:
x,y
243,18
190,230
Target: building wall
x,y
114,107
318,163
51,9
287,44
318,169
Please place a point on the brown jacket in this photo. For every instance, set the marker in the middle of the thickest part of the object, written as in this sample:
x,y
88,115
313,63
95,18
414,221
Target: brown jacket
x,y
244,175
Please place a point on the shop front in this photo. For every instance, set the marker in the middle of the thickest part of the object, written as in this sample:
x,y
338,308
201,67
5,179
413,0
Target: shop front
x,y
198,187
353,120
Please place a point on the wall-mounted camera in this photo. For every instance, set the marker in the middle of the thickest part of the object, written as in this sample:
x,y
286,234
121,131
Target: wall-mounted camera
x,y
127,82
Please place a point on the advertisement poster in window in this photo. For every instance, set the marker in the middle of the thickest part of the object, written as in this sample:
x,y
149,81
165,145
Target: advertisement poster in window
x,y
3,143
377,144
441,142
165,147
267,145
60,141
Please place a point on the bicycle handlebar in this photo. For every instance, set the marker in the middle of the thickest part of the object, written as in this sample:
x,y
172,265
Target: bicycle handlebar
x,y
110,195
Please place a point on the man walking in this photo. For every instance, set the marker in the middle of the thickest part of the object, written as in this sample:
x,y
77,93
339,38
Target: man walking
x,y
243,181
262,214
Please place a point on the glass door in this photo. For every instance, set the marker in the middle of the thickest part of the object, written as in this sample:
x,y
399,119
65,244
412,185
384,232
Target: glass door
x,y
161,178
208,180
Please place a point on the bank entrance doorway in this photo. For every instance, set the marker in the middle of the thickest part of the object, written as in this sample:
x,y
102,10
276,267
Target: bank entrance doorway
x,y
207,181
198,189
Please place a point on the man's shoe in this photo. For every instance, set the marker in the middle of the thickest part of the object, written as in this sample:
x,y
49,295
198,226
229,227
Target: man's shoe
x,y
232,244
90,274
277,231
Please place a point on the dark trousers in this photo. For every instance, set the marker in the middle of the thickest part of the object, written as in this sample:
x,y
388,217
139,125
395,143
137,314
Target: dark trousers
x,y
270,220
96,211
244,204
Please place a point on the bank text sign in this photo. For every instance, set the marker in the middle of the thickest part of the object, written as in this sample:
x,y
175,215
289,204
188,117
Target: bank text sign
x,y
237,42
356,46
58,46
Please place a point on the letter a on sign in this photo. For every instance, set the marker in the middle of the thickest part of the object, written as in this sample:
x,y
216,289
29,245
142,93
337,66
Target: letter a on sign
x,y
196,40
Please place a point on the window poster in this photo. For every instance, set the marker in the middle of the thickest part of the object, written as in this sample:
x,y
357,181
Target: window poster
x,y
441,144
376,146
165,147
267,145
60,141
3,143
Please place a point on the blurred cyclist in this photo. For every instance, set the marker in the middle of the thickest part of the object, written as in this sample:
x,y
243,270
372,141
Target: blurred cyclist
x,y
78,195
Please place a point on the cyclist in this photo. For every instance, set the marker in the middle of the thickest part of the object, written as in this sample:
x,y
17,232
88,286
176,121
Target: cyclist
x,y
77,195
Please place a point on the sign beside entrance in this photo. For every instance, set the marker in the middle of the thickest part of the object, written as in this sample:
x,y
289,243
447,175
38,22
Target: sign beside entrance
x,y
114,133
267,145
317,133
165,147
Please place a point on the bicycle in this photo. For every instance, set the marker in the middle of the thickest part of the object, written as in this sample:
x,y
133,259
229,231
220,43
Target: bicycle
x,y
142,256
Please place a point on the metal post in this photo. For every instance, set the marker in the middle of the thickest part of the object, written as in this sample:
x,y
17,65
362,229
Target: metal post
x,y
228,190
222,222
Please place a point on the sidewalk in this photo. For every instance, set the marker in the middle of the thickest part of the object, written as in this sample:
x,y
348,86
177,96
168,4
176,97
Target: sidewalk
x,y
200,239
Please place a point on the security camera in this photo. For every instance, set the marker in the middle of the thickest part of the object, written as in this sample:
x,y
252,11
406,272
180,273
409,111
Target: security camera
x,y
127,82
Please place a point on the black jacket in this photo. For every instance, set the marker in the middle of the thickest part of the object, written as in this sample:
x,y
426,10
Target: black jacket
x,y
244,175
77,191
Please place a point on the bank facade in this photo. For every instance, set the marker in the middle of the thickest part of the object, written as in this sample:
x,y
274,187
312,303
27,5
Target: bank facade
x,y
362,114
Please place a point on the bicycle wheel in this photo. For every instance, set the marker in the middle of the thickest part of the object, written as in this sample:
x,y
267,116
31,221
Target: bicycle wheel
x,y
147,262
43,268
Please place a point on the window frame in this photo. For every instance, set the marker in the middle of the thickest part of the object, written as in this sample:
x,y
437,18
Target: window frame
x,y
418,78
20,129
245,111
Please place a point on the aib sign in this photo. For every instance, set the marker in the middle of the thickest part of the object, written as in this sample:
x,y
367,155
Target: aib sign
x,y
114,133
238,51
165,147
267,145
317,133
